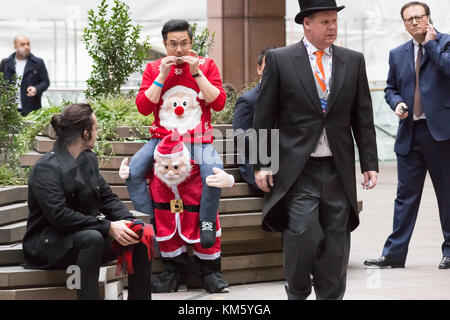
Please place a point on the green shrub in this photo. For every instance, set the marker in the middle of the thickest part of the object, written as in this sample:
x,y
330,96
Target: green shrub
x,y
10,120
113,44
226,115
203,41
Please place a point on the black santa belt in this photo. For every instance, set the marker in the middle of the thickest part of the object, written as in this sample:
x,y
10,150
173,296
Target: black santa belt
x,y
176,206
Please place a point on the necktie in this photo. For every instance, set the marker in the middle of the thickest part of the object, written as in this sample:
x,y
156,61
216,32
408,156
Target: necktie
x,y
418,110
319,54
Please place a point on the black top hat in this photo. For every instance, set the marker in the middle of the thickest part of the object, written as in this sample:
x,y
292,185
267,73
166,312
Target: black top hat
x,y
308,7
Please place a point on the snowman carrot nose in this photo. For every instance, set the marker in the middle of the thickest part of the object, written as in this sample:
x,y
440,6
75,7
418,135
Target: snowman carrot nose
x,y
179,110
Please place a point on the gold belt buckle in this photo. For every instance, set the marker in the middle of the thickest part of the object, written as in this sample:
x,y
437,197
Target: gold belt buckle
x,y
176,206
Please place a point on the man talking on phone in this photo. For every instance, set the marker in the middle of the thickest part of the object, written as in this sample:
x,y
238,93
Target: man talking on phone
x,y
418,91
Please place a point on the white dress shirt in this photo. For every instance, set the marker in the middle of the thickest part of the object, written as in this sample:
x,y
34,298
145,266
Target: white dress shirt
x,y
322,149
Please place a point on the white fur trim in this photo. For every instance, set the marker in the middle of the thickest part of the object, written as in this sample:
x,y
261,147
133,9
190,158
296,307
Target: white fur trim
x,y
204,256
173,254
179,88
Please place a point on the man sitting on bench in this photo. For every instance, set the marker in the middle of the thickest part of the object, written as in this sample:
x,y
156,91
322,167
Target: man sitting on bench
x,y
74,216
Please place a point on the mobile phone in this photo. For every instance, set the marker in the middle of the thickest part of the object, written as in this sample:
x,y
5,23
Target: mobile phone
x,y
403,110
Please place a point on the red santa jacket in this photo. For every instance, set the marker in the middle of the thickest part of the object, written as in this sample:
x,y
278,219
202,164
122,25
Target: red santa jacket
x,y
181,75
187,222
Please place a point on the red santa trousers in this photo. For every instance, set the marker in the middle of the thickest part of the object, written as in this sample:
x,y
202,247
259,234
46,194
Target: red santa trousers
x,y
176,230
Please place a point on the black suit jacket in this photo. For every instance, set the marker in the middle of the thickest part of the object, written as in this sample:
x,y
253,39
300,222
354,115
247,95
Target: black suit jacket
x,y
65,196
35,74
243,119
289,95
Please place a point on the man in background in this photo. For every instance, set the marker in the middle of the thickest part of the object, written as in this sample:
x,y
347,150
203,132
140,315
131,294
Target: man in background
x,y
31,69
243,119
418,91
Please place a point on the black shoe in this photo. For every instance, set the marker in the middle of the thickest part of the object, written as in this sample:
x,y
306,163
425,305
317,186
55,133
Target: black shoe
x,y
445,263
168,282
213,283
383,262
207,234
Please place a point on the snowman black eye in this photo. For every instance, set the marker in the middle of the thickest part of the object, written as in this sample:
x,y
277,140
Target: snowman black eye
x,y
174,104
167,167
185,103
175,167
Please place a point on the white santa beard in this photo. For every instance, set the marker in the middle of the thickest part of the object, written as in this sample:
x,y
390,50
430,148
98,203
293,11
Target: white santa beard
x,y
188,121
174,180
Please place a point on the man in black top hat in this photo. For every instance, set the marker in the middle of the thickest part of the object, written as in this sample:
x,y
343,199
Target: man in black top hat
x,y
318,96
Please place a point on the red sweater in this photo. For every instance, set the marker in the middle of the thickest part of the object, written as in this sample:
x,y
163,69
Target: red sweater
x,y
181,75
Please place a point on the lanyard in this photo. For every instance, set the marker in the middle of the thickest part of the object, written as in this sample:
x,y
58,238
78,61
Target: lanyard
x,y
313,58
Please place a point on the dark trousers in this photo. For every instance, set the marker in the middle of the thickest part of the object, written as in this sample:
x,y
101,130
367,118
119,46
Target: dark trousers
x,y
316,243
425,154
90,250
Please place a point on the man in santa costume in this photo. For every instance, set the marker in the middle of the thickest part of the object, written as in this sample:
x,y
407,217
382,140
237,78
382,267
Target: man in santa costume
x,y
176,188
180,90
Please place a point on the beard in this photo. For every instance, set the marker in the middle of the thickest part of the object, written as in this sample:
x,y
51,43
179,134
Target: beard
x,y
176,179
188,121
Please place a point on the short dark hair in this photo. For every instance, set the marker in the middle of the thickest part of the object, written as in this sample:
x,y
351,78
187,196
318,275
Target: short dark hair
x,y
415,3
176,25
263,53
71,123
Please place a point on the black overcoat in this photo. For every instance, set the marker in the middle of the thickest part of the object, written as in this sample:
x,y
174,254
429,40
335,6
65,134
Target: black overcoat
x,y
64,196
35,74
288,99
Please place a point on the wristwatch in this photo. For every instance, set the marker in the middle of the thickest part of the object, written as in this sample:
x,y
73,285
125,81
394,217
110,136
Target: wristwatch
x,y
198,74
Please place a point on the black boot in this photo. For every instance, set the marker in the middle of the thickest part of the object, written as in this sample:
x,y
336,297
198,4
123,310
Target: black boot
x,y
207,234
211,275
174,275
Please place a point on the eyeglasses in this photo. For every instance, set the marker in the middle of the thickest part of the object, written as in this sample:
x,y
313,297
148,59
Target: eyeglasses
x,y
174,45
417,18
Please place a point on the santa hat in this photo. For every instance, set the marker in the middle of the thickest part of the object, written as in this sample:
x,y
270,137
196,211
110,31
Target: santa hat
x,y
186,88
171,146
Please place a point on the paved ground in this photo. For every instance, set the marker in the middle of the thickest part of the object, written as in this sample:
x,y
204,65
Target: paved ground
x,y
421,279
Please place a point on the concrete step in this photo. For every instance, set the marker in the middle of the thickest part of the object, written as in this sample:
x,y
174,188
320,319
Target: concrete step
x,y
220,131
236,227
44,144
18,283
19,277
226,206
50,293
11,254
13,213
18,212
112,176
113,162
240,189
239,269
13,194
108,291
13,233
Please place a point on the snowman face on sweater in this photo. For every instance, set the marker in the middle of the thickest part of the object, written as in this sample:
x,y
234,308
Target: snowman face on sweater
x,y
180,109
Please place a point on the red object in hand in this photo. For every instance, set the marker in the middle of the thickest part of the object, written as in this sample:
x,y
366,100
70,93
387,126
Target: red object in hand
x,y
179,111
124,254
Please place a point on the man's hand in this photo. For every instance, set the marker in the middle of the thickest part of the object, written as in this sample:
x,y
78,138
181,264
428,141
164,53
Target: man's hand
x,y
166,65
431,33
31,91
264,179
370,180
193,61
220,179
124,171
122,234
400,112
